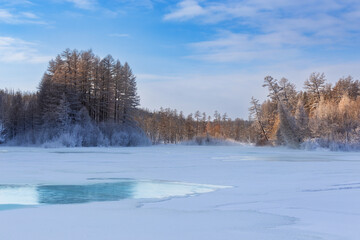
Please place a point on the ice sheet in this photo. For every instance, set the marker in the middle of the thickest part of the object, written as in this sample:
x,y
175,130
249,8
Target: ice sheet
x,y
276,194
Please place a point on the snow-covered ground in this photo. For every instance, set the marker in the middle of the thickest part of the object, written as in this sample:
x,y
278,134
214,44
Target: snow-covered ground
x,y
276,193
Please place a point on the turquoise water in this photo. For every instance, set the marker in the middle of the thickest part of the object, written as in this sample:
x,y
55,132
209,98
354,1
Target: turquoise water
x,y
67,194
11,206
17,196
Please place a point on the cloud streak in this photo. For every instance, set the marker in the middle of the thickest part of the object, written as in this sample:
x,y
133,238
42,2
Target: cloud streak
x,y
84,4
186,10
262,28
9,17
17,50
231,47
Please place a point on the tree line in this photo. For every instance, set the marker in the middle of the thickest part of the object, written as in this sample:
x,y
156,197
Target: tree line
x,y
171,126
322,114
78,92
85,100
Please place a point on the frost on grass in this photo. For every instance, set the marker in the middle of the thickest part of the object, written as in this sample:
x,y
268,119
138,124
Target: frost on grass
x,y
90,135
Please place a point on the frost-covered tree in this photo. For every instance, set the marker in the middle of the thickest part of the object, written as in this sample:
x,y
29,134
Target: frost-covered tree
x,y
63,112
347,86
75,84
273,88
348,117
301,120
288,128
315,84
287,93
255,114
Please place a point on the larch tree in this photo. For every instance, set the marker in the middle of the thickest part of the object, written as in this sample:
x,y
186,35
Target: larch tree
x,y
315,84
255,114
302,120
287,93
130,99
288,128
273,88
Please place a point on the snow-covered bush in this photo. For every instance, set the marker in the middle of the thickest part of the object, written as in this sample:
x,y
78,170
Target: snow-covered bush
x,y
83,135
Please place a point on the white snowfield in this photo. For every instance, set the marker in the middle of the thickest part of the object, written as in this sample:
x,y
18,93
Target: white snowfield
x,y
275,193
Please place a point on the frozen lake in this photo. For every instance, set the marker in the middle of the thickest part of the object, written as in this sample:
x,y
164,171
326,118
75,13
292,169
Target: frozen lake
x,y
118,189
179,192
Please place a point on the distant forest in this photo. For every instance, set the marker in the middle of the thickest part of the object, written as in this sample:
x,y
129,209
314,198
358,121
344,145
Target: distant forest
x,y
84,100
320,116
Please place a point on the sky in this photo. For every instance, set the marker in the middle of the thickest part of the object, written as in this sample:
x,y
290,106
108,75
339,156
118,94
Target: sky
x,y
187,54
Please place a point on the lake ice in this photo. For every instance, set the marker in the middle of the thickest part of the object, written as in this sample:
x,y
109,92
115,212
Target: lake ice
x,y
219,192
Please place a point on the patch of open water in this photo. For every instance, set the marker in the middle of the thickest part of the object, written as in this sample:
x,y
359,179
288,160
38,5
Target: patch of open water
x,y
15,196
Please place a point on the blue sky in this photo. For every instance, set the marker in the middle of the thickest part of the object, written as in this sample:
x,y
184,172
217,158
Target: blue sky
x,y
188,54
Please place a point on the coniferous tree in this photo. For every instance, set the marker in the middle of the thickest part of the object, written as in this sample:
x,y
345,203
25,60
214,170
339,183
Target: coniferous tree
x,y
288,129
255,114
273,88
130,99
315,85
75,84
302,120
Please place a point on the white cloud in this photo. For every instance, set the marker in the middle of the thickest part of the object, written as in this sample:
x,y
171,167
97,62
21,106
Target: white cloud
x,y
84,4
16,2
19,18
6,16
265,29
29,15
187,9
215,11
139,3
17,50
230,47
209,11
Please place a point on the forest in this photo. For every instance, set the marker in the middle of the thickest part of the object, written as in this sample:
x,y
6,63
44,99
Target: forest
x,y
83,100
320,116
